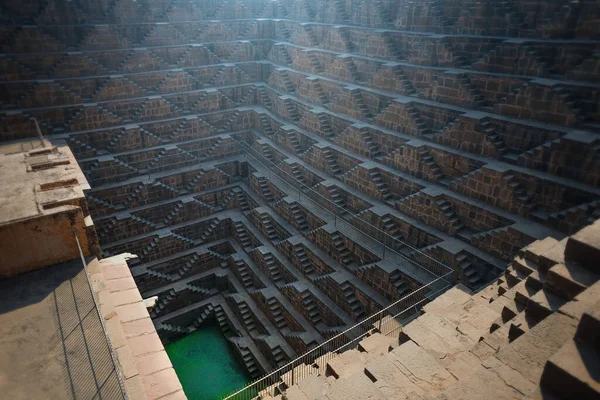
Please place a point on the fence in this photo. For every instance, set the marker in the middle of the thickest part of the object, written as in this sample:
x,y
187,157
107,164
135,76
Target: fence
x,y
387,322
89,358
382,244
435,275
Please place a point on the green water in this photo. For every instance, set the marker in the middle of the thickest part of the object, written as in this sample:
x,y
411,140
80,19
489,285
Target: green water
x,y
205,365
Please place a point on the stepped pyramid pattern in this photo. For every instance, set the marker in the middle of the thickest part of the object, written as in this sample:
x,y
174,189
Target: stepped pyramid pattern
x,y
531,334
289,167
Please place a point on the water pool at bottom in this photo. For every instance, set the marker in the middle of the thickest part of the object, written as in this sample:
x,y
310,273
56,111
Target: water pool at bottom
x,y
205,365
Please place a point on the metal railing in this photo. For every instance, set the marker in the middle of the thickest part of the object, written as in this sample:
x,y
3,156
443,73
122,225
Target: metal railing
x,y
385,245
437,278
93,374
341,217
386,322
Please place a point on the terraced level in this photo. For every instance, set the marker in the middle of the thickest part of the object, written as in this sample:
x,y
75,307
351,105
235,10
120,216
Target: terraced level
x,y
287,168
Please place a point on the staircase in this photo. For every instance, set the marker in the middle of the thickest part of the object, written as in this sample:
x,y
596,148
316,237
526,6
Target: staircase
x,y
273,268
374,151
192,184
345,35
184,239
341,12
265,124
299,217
242,235
269,229
319,91
437,11
324,126
519,192
244,274
407,86
298,175
277,313
432,169
284,30
166,221
197,289
314,61
467,270
289,87
225,202
207,312
159,275
390,227
222,320
392,51
294,142
478,99
247,318
214,224
162,303
311,308
291,111
265,150
383,189
418,122
265,189
355,306
489,131
133,196
266,101
188,265
336,197
360,103
150,247
331,160
453,223
249,363
397,281
284,55
531,334
305,264
85,148
279,356
242,201
352,71
342,251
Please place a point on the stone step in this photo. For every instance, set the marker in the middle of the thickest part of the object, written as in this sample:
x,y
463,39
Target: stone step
x,y
572,372
357,386
569,280
421,368
376,344
520,324
583,248
346,364
534,250
544,303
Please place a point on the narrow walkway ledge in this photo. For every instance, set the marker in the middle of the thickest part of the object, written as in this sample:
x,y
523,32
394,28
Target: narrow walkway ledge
x,y
145,367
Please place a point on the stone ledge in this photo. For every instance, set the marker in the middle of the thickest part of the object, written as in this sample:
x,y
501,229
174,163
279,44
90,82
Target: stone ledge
x,y
143,363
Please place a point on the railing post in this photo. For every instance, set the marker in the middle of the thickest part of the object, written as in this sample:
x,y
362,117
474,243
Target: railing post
x,y
293,368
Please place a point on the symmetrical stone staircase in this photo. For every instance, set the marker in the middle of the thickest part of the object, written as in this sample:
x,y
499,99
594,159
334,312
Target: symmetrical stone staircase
x,y
158,98
532,334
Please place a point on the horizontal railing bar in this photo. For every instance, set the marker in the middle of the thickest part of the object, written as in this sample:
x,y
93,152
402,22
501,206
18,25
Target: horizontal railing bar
x,y
248,149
